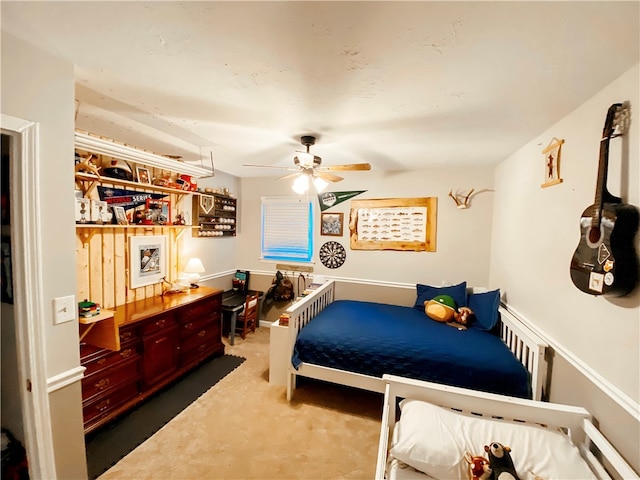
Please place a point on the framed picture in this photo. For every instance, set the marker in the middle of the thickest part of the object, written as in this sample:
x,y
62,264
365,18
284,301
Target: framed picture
x,y
406,224
143,174
159,209
551,156
119,215
331,224
147,260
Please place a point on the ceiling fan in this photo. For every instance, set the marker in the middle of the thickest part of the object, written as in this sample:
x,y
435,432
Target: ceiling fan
x,y
308,169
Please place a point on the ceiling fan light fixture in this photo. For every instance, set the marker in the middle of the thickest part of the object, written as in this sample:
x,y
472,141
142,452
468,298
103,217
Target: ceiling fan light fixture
x,y
320,184
301,184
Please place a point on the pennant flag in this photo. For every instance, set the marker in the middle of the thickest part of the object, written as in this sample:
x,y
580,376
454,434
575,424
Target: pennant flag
x,y
329,199
126,198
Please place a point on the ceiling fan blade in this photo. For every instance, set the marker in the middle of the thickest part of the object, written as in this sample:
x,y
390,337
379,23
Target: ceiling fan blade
x,y
347,168
328,176
269,166
290,175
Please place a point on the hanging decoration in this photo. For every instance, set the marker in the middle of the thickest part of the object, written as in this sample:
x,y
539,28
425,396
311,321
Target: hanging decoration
x,y
551,155
332,255
330,199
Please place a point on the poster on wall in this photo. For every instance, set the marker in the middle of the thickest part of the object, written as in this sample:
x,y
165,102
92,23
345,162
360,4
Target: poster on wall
x,y
393,224
147,260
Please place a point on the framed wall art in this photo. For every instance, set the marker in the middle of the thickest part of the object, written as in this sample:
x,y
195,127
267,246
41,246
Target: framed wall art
x,y
331,224
393,224
147,260
551,155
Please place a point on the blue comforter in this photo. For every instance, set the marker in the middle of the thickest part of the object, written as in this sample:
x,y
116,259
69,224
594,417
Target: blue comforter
x,y
374,339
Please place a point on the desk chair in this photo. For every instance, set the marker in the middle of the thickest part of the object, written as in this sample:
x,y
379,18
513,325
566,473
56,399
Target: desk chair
x,y
248,318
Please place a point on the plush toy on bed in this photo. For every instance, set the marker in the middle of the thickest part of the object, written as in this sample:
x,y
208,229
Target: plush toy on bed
x,y
443,308
479,468
500,461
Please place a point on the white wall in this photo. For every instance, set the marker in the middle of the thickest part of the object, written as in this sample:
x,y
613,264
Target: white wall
x,y
535,233
217,254
37,86
463,236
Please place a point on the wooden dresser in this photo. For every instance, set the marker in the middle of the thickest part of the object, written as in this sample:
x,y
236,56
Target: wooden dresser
x,y
161,338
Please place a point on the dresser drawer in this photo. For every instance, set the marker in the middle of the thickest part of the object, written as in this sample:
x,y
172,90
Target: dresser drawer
x,y
157,324
206,308
200,336
197,324
110,378
197,352
104,358
102,406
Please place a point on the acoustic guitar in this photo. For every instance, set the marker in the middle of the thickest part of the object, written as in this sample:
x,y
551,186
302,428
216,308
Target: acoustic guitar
x,y
605,262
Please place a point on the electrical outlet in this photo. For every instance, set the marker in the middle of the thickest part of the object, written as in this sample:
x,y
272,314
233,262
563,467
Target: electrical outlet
x,y
64,309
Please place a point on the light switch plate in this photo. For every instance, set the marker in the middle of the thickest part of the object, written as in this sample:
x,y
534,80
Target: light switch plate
x,y
64,309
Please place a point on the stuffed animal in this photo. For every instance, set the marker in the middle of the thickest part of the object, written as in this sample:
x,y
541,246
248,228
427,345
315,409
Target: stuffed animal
x,y
479,468
441,308
500,461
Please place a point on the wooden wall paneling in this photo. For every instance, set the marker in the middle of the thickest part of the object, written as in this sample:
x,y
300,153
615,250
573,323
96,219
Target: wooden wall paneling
x,y
95,267
120,271
108,269
82,268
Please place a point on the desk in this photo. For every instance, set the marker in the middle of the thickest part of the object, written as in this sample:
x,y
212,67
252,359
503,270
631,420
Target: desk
x,y
232,304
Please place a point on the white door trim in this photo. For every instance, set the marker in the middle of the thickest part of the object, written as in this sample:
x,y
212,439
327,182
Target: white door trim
x,y
28,300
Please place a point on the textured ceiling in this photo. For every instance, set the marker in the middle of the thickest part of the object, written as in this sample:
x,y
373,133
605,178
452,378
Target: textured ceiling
x,y
402,85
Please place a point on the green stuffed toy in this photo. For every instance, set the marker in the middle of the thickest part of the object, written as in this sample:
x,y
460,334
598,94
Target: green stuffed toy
x,y
441,308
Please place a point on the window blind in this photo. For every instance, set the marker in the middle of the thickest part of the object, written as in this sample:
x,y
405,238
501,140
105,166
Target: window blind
x,y
287,229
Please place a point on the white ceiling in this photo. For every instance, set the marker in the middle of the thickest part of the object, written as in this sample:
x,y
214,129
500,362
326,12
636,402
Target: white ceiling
x,y
401,85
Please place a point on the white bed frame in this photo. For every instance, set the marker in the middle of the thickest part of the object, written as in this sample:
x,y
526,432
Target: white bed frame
x,y
527,347
576,420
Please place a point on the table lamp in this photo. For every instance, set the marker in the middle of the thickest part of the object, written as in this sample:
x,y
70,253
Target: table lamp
x,y
194,268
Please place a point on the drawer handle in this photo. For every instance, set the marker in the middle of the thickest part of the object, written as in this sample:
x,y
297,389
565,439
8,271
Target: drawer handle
x,y
126,353
202,348
102,361
102,406
202,333
102,384
188,325
160,323
126,335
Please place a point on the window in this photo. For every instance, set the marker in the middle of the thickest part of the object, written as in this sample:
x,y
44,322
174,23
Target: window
x,y
287,229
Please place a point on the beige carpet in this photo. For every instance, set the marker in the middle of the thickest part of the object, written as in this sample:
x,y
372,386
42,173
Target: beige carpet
x,y
244,428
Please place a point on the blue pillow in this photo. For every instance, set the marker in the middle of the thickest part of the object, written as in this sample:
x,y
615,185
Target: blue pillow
x,y
485,306
427,292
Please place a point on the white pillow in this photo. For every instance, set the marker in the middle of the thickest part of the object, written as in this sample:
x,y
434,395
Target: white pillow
x,y
434,440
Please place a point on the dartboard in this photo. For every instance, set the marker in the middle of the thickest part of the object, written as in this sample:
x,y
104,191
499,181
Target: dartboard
x,y
332,255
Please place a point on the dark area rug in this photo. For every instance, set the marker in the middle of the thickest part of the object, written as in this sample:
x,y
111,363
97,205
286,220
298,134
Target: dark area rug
x,y
108,445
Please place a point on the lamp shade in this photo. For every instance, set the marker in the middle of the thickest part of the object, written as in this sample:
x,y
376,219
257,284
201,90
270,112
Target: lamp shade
x,y
194,265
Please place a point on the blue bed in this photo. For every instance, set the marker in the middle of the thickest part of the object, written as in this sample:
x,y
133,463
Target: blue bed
x,y
375,339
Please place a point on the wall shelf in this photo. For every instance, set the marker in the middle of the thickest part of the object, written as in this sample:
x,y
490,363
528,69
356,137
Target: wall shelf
x,y
87,181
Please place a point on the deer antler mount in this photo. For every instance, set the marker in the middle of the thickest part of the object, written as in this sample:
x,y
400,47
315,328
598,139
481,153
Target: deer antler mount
x,y
462,201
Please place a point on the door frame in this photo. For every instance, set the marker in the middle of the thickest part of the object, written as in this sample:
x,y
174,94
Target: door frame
x,y
29,310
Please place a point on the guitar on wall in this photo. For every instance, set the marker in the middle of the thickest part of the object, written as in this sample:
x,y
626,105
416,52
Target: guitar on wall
x,y
605,262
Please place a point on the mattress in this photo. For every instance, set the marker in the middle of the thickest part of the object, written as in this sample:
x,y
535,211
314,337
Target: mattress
x,y
373,339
